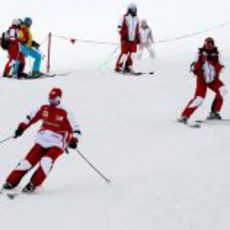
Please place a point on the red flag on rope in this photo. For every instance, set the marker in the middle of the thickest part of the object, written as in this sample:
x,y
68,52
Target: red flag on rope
x,y
73,40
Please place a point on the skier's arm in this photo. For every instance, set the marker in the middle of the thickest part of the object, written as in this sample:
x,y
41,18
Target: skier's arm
x,y
138,33
75,130
151,36
196,65
30,119
221,65
121,30
120,24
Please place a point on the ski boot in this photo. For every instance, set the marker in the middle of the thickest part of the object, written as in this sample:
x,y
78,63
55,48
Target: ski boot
x,y
8,186
7,76
23,75
183,120
29,188
213,115
36,74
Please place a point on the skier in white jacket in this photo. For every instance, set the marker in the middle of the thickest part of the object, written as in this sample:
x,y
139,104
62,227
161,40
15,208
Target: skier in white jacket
x,y
146,39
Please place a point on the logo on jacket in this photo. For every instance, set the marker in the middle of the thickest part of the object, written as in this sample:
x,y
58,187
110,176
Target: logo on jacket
x,y
59,118
45,113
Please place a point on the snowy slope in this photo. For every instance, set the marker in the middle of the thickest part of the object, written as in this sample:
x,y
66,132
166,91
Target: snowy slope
x,y
164,175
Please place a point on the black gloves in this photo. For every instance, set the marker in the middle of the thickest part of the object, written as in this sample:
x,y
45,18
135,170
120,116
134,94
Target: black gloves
x,y
73,143
18,132
35,45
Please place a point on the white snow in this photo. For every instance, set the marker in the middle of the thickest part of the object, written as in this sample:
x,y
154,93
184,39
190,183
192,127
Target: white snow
x,y
165,176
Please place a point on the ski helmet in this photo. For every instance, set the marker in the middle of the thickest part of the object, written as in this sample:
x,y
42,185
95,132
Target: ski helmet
x,y
55,96
27,21
209,40
132,9
144,23
17,22
209,43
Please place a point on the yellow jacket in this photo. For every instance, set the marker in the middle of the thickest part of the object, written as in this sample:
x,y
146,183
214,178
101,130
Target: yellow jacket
x,y
25,36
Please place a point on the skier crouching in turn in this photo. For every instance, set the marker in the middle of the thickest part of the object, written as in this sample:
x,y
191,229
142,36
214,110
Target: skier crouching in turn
x,y
207,69
59,130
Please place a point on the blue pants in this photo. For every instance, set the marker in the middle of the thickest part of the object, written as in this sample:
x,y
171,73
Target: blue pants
x,y
35,54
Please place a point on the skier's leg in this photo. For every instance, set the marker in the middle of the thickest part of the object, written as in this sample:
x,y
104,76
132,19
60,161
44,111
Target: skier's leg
x,y
198,99
46,164
129,63
36,55
125,59
25,165
16,68
118,63
8,68
131,56
22,64
13,54
151,51
220,90
24,50
122,57
140,51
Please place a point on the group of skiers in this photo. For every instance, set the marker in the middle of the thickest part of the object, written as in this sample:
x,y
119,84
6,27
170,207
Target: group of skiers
x,y
59,129
19,44
207,67
132,34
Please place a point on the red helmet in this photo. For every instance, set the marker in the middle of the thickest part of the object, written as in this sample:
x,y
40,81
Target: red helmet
x,y
55,96
209,40
209,43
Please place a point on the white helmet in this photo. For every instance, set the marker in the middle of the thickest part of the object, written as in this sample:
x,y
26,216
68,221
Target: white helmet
x,y
144,23
16,22
132,6
132,9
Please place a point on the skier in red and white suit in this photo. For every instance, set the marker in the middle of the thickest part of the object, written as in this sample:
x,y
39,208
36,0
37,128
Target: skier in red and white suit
x,y
207,69
59,130
129,33
16,58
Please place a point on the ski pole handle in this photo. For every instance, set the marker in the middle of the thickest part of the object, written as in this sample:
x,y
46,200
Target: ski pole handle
x,y
93,167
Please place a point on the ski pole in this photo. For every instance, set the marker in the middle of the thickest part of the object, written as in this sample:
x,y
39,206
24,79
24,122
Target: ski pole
x,y
6,139
93,167
109,58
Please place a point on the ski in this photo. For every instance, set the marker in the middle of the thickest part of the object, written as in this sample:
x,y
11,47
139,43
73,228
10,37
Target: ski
x,y
214,121
139,73
42,76
135,73
46,75
191,124
10,194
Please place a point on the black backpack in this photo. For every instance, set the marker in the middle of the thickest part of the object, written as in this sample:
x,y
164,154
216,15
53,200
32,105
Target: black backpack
x,y
5,40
